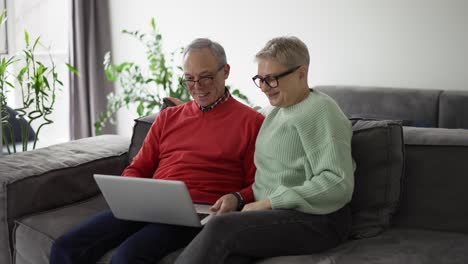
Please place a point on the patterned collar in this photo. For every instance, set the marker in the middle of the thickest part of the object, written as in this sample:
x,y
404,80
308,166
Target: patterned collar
x,y
222,99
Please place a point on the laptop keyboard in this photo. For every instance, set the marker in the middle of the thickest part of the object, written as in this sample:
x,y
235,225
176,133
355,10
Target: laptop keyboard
x,y
201,216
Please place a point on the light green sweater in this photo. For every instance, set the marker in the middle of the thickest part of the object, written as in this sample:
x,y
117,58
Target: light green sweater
x,y
303,157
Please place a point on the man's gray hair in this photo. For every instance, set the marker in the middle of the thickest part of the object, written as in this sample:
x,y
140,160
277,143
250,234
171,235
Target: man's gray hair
x,y
215,47
289,51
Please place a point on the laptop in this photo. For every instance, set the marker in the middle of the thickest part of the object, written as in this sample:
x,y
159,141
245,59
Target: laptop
x,y
152,200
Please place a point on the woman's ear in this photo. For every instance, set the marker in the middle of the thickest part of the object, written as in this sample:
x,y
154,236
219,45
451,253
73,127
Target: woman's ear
x,y
303,71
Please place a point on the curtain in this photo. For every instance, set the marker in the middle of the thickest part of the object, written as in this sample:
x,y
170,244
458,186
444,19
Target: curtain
x,y
90,40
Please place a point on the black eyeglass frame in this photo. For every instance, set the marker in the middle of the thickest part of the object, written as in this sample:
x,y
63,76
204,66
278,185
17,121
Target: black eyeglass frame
x,y
276,77
183,81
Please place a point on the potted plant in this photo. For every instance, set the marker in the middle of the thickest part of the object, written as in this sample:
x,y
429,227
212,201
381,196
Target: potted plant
x,y
38,83
146,89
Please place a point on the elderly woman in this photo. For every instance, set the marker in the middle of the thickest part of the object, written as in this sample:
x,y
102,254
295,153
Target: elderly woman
x,y
304,179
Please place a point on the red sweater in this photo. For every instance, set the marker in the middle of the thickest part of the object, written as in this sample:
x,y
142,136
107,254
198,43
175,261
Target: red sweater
x,y
212,152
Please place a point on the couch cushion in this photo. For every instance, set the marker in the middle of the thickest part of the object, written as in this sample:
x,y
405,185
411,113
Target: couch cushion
x,y
35,234
416,107
140,129
377,148
403,246
434,194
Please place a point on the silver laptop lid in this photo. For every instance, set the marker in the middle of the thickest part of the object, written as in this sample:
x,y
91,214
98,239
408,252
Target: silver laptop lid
x,y
148,200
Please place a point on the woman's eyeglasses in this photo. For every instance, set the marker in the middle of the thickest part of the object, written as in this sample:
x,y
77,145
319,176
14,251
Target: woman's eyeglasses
x,y
272,81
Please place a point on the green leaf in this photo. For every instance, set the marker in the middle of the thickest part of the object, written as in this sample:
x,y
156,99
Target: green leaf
x,y
3,66
3,17
22,72
35,43
111,74
153,23
46,82
28,54
43,92
26,37
10,84
72,69
12,60
40,69
123,66
140,109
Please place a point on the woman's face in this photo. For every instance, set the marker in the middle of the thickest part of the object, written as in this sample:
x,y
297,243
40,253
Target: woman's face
x,y
288,91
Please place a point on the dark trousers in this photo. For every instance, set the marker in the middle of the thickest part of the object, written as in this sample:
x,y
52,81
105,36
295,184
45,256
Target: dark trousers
x,y
136,242
246,236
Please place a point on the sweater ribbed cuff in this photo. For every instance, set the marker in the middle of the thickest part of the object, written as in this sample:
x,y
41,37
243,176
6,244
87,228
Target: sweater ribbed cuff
x,y
277,198
247,195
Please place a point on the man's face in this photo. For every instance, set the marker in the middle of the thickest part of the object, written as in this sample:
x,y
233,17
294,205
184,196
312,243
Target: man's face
x,y
202,67
288,91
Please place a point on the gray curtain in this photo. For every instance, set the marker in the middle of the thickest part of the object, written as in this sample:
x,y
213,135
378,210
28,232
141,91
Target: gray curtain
x,y
90,40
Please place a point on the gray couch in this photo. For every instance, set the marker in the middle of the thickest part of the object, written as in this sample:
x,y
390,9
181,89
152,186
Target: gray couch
x,y
409,204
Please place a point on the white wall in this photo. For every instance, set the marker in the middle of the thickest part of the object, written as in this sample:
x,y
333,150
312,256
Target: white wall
x,y
398,43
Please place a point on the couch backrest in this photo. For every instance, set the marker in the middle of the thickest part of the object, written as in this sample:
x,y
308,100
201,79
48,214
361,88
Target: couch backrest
x,y
434,189
140,129
453,109
415,107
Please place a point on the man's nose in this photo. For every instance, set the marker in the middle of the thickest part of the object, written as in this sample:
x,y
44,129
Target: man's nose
x,y
195,85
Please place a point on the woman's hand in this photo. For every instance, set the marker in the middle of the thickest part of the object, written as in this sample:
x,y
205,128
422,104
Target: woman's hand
x,y
258,205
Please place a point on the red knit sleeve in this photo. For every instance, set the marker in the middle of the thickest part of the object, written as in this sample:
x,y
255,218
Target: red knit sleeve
x,y
144,164
249,165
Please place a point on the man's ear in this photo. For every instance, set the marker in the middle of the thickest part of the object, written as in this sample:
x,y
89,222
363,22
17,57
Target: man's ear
x,y
226,70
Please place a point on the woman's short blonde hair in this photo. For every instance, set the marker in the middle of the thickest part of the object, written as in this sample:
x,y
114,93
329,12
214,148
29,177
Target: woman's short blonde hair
x,y
289,51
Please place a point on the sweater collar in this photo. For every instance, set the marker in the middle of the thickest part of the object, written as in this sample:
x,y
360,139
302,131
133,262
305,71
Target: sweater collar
x,y
220,100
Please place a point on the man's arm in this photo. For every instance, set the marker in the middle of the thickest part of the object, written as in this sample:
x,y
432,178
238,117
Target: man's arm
x,y
249,165
145,163
230,202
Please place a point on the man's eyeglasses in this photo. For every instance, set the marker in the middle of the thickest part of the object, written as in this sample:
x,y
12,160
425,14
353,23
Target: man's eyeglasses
x,y
272,81
202,81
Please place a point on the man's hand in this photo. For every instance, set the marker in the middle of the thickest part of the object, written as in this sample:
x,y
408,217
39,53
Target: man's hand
x,y
227,203
258,205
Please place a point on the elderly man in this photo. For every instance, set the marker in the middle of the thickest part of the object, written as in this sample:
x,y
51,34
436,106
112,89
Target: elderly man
x,y
208,143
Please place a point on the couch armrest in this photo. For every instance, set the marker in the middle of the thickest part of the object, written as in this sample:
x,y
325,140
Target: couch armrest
x,y
434,192
42,179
